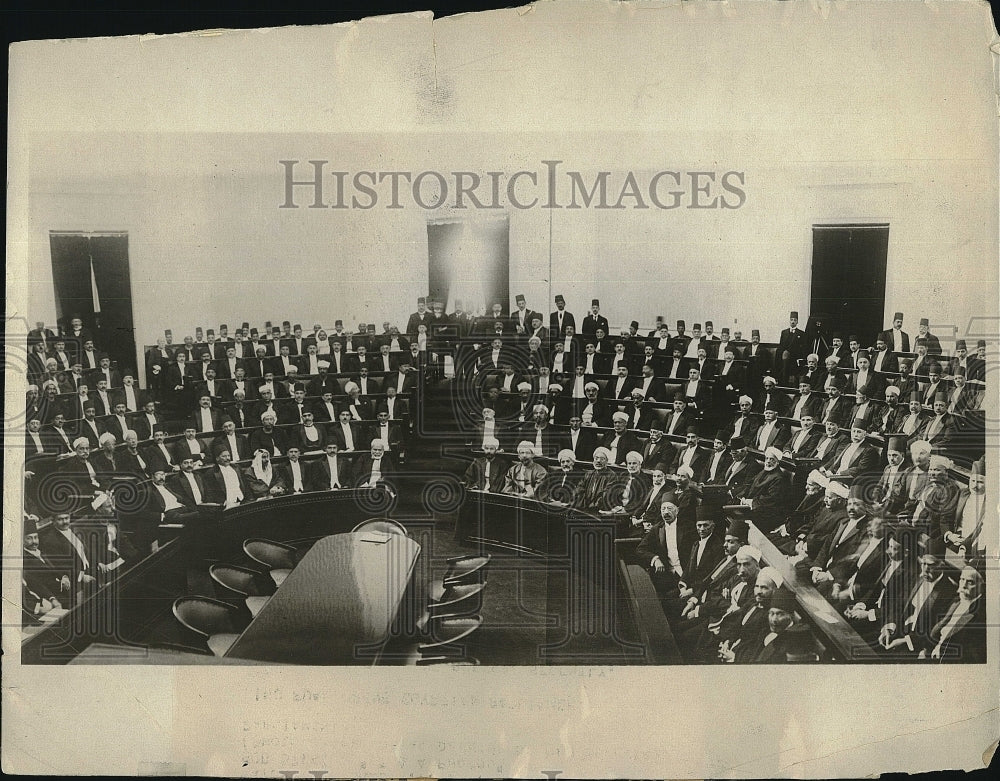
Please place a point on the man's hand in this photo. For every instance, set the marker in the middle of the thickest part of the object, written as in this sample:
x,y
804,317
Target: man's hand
x,y
64,584
657,565
86,579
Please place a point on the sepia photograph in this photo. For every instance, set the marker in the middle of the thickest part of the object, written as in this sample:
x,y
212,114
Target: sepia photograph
x,y
643,346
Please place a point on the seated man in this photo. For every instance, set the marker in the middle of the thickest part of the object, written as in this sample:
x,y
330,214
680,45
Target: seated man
x,y
523,478
629,492
620,442
960,634
331,472
374,469
259,476
741,634
705,553
594,490
227,485
486,472
789,638
908,622
837,560
560,485
766,496
709,595
292,477
662,550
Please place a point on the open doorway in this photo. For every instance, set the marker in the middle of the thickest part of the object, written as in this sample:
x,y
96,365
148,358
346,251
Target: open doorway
x,y
848,278
90,272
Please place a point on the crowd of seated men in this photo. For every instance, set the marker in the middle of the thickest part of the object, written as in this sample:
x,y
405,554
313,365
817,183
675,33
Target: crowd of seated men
x,y
676,436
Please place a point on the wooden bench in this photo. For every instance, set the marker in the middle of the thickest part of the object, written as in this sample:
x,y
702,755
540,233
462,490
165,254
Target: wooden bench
x,y
644,606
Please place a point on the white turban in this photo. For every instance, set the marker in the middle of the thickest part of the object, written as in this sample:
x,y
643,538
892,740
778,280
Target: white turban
x,y
635,455
567,453
351,386
81,441
746,399
815,476
526,444
920,447
773,452
555,386
941,461
772,574
491,441
522,386
603,450
685,471
323,364
593,385
620,416
107,436
749,550
838,489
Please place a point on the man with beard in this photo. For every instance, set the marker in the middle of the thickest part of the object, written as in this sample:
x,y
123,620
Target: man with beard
x,y
592,495
619,442
630,491
486,472
741,633
722,606
934,514
538,431
649,511
888,419
766,496
802,518
523,478
827,519
560,485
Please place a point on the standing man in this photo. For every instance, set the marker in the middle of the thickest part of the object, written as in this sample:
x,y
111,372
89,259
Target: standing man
x,y
791,347
594,320
559,319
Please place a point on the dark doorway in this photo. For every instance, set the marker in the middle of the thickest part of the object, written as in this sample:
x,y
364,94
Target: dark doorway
x,y
469,262
848,278
90,272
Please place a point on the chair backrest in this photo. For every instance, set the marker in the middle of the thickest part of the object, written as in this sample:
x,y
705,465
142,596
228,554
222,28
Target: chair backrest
x,y
462,599
205,617
271,554
241,580
382,525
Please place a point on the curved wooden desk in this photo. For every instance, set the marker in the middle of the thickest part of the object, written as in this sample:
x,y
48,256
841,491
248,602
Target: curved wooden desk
x,y
338,604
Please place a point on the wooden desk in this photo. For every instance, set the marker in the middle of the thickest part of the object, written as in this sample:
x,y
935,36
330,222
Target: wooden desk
x,y
336,606
847,644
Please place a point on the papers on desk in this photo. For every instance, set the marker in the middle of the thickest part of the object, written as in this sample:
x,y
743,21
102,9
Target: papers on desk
x,y
374,536
53,615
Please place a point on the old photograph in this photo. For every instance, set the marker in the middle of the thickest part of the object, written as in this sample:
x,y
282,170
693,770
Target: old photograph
x,y
419,363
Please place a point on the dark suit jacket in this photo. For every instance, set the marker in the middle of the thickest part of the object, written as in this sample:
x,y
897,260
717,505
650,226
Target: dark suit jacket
x,y
363,469
840,551
627,443
179,485
221,443
703,476
568,319
696,573
320,473
585,444
590,324
654,544
769,492
488,475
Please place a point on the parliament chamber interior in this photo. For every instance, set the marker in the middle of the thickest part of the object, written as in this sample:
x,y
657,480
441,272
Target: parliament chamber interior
x,y
504,487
